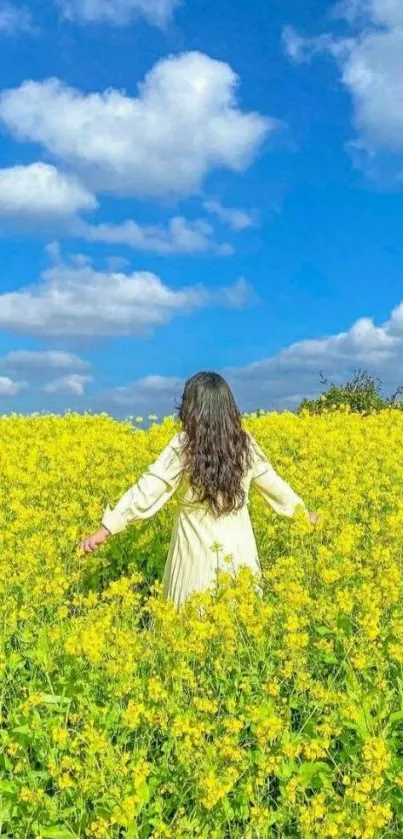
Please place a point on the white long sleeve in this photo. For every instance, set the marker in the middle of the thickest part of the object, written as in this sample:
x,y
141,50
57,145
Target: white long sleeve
x,y
153,489
272,487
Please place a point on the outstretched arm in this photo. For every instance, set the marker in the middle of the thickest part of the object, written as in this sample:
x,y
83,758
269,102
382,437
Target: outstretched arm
x,y
153,489
272,487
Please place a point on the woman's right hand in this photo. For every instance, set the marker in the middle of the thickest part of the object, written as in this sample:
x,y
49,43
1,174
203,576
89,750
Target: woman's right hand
x,y
314,518
91,543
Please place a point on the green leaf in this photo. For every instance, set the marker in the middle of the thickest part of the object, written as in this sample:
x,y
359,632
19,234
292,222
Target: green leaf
x,y
227,809
21,729
8,787
328,658
287,769
15,661
144,793
315,775
265,709
345,623
5,812
322,630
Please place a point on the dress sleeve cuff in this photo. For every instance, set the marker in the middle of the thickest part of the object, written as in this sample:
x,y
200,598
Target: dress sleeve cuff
x,y
113,521
299,503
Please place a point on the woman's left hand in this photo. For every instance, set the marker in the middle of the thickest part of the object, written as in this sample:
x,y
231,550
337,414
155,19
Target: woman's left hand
x,y
91,543
314,518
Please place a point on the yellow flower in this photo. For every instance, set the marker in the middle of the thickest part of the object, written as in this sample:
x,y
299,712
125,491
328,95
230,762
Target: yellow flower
x,y
133,714
238,703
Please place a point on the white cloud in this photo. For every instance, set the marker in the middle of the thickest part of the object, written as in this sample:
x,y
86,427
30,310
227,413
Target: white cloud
x,y
373,74
300,48
185,122
386,12
178,236
36,364
371,66
40,190
73,385
118,12
78,301
8,387
14,19
237,296
234,218
157,394
283,380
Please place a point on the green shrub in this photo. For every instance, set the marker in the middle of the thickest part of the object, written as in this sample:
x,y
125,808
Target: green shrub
x,y
361,394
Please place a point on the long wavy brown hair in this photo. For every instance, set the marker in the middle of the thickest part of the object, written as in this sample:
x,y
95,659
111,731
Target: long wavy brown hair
x,y
216,448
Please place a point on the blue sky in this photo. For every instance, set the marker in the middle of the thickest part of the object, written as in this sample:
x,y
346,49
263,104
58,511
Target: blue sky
x,y
192,185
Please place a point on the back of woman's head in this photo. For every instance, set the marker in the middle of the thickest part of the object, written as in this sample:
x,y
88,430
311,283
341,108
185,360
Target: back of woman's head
x,y
216,448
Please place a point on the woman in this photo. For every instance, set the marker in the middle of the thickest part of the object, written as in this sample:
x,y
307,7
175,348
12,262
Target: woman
x,y
211,465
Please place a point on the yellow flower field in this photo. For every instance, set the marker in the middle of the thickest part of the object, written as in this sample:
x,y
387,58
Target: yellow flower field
x,y
274,717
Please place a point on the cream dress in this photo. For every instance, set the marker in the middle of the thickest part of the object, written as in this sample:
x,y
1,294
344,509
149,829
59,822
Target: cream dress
x,y
200,543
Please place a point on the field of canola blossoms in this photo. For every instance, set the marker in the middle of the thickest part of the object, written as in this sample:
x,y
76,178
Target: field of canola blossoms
x,y
280,717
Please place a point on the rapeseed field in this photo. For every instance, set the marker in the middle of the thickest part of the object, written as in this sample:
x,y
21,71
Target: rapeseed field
x,y
274,717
